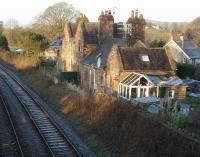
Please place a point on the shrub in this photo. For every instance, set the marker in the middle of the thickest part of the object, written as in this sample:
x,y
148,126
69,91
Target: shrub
x,y
178,120
156,43
185,70
3,43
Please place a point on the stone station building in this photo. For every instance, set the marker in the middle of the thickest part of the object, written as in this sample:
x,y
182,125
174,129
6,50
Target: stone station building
x,y
122,66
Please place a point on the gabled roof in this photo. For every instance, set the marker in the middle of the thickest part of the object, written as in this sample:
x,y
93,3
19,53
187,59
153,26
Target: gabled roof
x,y
70,29
193,53
189,48
165,81
186,44
103,51
131,58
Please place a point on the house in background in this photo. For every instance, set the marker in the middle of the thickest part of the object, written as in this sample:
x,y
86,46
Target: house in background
x,y
183,51
53,49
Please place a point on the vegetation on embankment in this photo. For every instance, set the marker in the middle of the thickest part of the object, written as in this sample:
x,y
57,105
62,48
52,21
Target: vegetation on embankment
x,y
101,120
19,62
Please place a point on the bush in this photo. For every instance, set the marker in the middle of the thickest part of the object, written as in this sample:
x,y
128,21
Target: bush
x,y
179,120
3,43
130,133
185,70
156,43
32,42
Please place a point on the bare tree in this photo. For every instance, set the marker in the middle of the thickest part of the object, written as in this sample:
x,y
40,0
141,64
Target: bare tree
x,y
9,30
1,27
51,21
11,24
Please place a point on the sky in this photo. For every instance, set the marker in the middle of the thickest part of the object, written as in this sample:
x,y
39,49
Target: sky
x,y
25,11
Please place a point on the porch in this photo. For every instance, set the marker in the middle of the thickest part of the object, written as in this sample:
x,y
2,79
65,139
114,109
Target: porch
x,y
135,86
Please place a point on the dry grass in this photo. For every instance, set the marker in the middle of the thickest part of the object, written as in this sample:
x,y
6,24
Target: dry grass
x,y
18,61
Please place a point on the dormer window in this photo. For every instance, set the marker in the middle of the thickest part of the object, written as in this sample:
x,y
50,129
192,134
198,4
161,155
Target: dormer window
x,y
145,58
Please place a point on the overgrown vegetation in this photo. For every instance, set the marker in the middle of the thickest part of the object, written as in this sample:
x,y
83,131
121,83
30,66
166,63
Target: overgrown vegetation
x,y
192,101
32,42
19,62
127,129
47,26
185,70
192,31
156,43
176,119
3,43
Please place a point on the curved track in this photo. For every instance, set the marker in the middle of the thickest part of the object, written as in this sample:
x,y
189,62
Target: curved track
x,y
9,143
52,135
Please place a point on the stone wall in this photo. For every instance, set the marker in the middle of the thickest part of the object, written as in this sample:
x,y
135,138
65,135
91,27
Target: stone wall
x,y
113,69
179,92
68,56
92,79
176,53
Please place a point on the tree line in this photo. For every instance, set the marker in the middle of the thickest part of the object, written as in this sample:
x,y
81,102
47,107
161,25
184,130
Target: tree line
x,y
35,37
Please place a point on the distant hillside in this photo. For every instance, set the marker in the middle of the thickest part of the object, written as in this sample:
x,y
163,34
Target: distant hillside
x,y
193,30
195,24
164,24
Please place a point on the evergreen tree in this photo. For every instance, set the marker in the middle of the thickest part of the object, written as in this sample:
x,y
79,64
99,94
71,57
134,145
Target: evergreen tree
x,y
3,43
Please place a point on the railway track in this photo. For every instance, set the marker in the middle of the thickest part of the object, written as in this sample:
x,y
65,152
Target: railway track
x,y
52,135
9,143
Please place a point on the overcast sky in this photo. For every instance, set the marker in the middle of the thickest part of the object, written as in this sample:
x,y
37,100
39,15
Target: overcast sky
x,y
163,10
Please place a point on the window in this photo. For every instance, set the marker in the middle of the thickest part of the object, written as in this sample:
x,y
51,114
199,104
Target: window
x,y
184,60
145,58
171,94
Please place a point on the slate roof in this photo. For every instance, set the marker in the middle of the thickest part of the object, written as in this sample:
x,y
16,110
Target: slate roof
x,y
187,44
190,82
165,81
91,31
193,53
56,44
190,48
103,51
157,80
91,38
131,58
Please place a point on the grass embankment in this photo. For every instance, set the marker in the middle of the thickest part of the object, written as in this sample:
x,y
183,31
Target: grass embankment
x,y
106,123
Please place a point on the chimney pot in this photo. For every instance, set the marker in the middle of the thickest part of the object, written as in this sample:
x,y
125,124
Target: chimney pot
x,y
182,40
132,14
136,13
